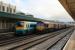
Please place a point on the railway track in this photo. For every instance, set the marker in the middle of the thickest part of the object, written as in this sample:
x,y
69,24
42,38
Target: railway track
x,y
5,36
49,43
61,43
8,40
32,43
15,39
24,43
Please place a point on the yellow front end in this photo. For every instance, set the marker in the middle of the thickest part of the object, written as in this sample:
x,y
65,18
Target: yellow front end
x,y
40,28
19,27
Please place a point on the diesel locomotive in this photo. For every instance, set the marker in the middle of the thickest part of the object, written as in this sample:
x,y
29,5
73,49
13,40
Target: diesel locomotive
x,y
24,27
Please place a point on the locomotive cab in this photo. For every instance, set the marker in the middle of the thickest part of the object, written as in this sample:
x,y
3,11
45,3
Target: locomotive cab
x,y
25,27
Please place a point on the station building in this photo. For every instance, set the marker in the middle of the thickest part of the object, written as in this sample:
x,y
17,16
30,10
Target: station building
x,y
6,22
7,8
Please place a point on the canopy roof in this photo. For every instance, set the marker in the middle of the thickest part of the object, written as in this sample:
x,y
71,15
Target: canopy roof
x,y
19,17
69,5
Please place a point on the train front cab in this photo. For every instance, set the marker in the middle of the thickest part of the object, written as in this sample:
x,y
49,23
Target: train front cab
x,y
40,28
20,28
26,28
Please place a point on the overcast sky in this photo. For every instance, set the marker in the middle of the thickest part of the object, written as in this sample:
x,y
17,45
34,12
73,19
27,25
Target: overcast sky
x,y
45,9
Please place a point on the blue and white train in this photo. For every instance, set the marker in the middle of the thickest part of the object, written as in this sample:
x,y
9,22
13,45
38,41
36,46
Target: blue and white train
x,y
25,27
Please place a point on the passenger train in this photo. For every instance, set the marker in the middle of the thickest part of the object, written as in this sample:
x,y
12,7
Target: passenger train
x,y
26,27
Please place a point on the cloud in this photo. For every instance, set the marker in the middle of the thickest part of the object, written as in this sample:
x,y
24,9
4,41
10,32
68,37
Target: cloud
x,y
46,9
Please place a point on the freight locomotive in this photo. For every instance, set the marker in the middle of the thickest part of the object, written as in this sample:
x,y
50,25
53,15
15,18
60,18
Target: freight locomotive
x,y
26,27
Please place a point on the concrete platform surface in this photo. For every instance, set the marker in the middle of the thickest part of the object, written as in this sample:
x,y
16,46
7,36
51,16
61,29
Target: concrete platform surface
x,y
71,43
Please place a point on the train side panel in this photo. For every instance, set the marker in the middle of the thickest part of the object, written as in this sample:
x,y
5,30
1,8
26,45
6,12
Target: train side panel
x,y
50,25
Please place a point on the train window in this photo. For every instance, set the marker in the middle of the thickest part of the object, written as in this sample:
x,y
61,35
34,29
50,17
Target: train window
x,y
19,23
32,25
22,23
26,26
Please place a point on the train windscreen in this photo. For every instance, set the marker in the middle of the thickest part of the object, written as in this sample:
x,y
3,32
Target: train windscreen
x,y
19,24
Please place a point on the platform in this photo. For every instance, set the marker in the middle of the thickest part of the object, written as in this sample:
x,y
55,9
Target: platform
x,y
70,45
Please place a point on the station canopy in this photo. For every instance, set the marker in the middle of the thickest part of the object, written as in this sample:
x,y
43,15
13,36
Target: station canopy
x,y
19,17
69,5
